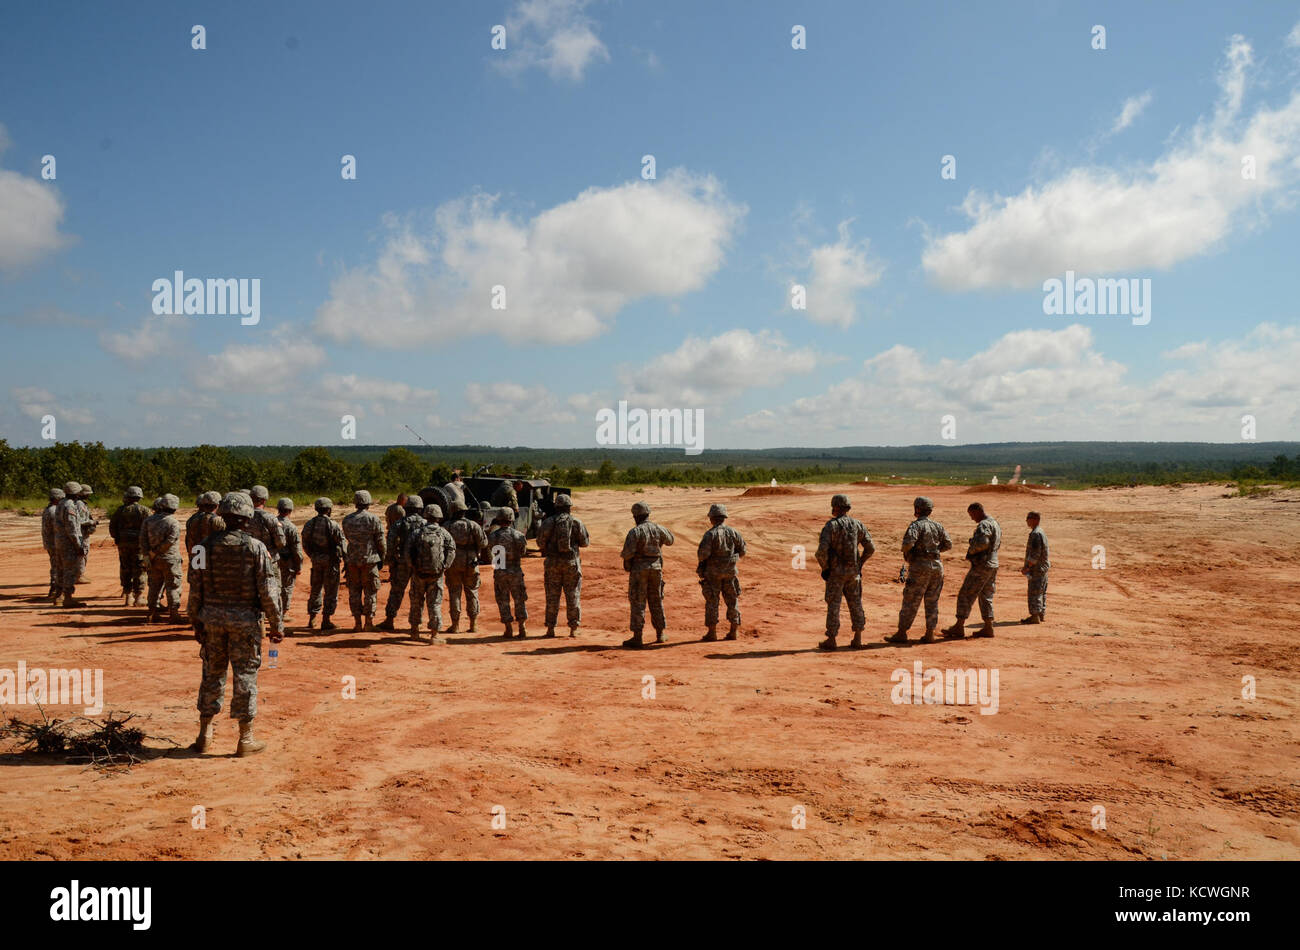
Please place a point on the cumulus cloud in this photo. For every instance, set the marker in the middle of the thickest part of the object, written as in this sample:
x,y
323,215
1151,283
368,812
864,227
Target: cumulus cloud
x,y
703,371
513,404
566,273
1102,220
555,36
836,273
155,335
30,213
265,367
35,402
1132,108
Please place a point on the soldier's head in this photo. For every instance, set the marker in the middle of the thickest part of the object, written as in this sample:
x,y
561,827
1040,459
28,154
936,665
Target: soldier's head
x,y
563,502
458,509
976,511
640,511
209,500
455,475
432,512
86,492
402,499
57,494
167,503
412,504
1032,519
132,494
922,506
717,513
840,505
323,506
235,510
519,486
504,516
284,506
71,489
361,498
259,494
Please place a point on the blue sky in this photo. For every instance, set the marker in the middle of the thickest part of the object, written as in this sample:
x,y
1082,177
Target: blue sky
x,y
522,168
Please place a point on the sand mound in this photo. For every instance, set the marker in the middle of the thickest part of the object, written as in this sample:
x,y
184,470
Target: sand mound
x,y
1017,489
765,490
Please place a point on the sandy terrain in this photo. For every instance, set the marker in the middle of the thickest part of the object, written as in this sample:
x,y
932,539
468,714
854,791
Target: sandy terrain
x,y
1128,698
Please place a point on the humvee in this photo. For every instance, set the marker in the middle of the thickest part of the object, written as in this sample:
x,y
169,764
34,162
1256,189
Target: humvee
x,y
536,499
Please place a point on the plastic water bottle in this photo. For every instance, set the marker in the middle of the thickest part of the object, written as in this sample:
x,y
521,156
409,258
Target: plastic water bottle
x,y
274,656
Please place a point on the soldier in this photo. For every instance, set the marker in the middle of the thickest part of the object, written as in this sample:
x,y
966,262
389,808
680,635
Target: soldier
x,y
236,583
559,538
396,511
508,546
88,523
202,523
124,529
837,552
399,567
70,545
49,533
720,549
431,550
923,542
462,574
981,577
1036,567
323,542
643,560
266,527
455,489
290,555
160,549
507,496
364,533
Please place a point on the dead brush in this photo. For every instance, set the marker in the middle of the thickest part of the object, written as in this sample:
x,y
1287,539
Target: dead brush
x,y
106,742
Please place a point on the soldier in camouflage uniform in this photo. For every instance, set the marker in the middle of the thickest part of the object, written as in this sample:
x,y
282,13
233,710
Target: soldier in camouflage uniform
x,y
838,547
471,548
202,523
266,527
643,560
981,578
323,542
399,567
290,555
70,545
124,528
719,551
508,547
507,496
559,538
160,549
49,533
88,524
364,533
431,544
396,511
923,542
235,585
1036,567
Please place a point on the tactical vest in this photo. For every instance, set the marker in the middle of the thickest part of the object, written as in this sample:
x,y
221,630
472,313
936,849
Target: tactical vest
x,y
230,580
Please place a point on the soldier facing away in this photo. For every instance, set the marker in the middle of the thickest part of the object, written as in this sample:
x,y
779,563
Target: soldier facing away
x,y
720,550
923,543
1036,568
508,546
560,537
324,544
399,566
49,533
364,533
981,578
202,523
235,584
643,560
290,555
462,574
266,527
430,550
160,549
124,528
70,545
843,547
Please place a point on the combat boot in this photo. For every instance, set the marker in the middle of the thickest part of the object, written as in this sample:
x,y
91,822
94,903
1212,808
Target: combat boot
x,y
711,636
69,602
386,624
899,637
984,631
328,624
473,624
733,632
550,632
126,599
174,615
523,634
928,636
356,623
510,632
153,617
634,642
828,645
204,741
1033,618
369,626
660,636
857,639
434,639
455,626
135,599
311,621
247,744
573,631
957,631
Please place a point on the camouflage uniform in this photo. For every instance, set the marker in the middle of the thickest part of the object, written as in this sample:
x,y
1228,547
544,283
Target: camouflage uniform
x,y
719,551
70,544
49,534
124,528
923,542
562,570
202,524
643,560
323,542
399,566
471,545
267,528
393,514
365,537
505,496
290,555
160,549
508,578
981,579
1037,564
837,552
427,588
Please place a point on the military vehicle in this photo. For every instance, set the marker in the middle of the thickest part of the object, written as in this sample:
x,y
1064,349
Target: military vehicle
x,y
536,499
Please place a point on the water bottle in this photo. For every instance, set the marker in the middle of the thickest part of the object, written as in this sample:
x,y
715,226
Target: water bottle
x,y
274,656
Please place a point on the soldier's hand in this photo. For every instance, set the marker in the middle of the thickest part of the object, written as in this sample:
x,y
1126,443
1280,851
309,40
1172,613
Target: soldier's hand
x,y
276,635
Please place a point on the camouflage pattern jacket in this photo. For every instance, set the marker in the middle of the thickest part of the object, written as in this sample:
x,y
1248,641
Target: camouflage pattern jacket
x,y
642,547
1036,551
125,525
984,543
160,538
199,526
70,523
839,544
924,541
512,544
291,553
471,541
50,525
236,584
556,526
720,549
323,541
266,528
399,536
365,536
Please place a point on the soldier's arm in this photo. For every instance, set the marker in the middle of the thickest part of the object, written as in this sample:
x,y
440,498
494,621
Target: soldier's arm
x,y
868,547
630,546
173,535
666,536
340,541
909,541
740,542
705,550
378,531
482,541
268,589
945,542
584,539
115,523
824,546
195,602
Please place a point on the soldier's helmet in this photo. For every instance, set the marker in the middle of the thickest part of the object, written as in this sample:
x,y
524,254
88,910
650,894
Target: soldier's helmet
x,y
504,516
170,501
641,510
923,505
840,501
71,488
57,494
432,511
157,503
259,493
414,503
236,505
134,493
563,502
212,498
361,498
285,505
457,506
323,504
86,491
718,511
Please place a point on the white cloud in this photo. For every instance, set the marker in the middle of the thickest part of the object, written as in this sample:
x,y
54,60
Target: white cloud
x,y
566,272
258,368
836,273
35,402
1099,220
1132,108
155,336
553,35
703,371
514,405
1293,38
30,213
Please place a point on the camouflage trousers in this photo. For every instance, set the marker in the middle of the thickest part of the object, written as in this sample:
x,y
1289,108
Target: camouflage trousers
x,y
726,587
1038,592
924,585
563,575
646,587
55,582
507,584
287,579
849,588
399,575
71,564
363,588
129,569
236,644
426,590
463,577
979,583
164,575
324,588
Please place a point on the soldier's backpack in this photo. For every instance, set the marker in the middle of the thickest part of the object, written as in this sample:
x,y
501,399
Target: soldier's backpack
x,y
426,551
846,542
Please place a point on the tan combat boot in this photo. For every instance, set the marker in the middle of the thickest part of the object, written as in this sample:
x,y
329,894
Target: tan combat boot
x,y
369,625
326,624
660,636
69,602
473,624
928,636
510,632
573,631
711,636
386,624
956,632
204,741
311,621
828,645
899,637
126,599
174,615
857,639
455,626
733,632
1033,618
523,634
984,631
434,639
247,744
634,642
356,623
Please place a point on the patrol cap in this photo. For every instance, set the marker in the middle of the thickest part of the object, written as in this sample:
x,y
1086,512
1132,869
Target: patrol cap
x,y
563,501
414,503
504,516
641,509
236,504
841,501
212,498
259,493
56,494
135,493
361,497
923,504
323,504
284,504
717,511
432,511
